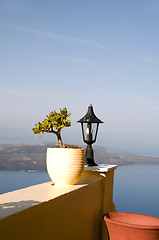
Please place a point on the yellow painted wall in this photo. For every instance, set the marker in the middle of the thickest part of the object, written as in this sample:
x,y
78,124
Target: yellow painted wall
x,y
77,215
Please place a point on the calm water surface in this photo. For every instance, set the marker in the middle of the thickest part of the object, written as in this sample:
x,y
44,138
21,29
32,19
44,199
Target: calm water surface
x,y
13,180
136,187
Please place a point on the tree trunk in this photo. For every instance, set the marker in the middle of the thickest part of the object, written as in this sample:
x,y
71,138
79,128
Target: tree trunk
x,y
59,139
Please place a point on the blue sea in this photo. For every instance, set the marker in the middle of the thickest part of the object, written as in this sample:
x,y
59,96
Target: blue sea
x,y
136,187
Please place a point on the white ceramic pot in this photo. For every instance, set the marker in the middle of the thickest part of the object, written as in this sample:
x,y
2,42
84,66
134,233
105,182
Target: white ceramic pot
x,y
64,165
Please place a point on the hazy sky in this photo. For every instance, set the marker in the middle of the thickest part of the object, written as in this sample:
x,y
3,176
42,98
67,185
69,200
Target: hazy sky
x,y
70,53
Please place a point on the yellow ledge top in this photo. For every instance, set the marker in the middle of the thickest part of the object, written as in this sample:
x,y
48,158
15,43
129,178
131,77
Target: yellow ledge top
x,y
16,201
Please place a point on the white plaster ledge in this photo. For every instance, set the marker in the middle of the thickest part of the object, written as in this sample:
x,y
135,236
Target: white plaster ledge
x,y
102,168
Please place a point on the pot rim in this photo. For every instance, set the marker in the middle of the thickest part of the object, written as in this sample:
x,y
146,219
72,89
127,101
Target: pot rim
x,y
131,225
66,148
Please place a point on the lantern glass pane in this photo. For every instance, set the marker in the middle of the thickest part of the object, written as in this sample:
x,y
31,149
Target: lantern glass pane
x,y
94,127
85,130
90,132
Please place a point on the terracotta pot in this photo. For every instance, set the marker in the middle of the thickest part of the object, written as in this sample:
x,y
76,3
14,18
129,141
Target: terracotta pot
x,y
130,226
64,165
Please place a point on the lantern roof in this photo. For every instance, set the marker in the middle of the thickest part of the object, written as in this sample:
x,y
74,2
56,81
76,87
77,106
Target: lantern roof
x,y
90,117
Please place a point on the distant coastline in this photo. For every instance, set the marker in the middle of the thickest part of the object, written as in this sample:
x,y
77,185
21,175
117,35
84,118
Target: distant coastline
x,y
32,157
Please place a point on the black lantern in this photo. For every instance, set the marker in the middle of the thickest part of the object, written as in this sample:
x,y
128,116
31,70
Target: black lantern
x,y
90,124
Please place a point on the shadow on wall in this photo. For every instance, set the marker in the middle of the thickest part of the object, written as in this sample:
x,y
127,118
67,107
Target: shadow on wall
x,y
10,208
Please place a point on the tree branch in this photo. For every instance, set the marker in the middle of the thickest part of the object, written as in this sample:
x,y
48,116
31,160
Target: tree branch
x,y
52,130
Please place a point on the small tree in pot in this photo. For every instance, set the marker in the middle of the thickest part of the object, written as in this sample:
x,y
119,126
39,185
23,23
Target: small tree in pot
x,y
65,163
54,123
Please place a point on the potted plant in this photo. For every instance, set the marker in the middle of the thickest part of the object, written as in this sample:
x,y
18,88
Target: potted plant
x,y
64,162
